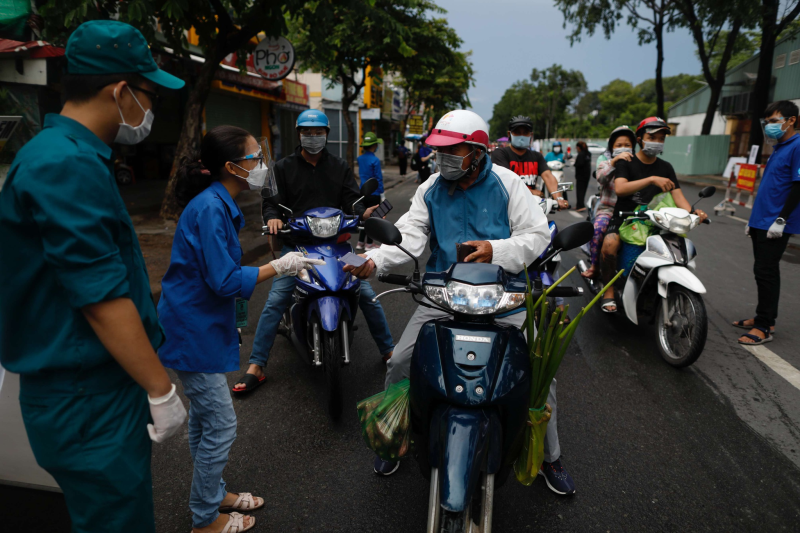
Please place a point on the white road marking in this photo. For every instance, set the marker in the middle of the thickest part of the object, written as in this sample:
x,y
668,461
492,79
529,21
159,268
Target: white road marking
x,y
739,219
776,363
576,214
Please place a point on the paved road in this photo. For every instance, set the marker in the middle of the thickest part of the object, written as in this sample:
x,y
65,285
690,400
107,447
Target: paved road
x,y
711,448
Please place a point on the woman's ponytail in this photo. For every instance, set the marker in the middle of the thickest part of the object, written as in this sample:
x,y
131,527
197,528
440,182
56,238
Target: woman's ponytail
x,y
192,179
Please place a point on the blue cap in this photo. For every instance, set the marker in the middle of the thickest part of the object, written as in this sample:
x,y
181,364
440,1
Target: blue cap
x,y
312,118
557,143
100,47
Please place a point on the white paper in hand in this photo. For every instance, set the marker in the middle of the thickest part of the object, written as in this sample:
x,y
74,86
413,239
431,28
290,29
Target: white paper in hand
x,y
352,259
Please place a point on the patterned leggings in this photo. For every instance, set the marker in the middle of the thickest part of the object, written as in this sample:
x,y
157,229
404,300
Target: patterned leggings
x,y
601,220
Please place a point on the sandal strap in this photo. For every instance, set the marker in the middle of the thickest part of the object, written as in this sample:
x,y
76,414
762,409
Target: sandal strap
x,y
244,502
765,331
235,523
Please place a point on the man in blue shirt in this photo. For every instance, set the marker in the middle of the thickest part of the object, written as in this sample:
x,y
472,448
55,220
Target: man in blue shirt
x,y
774,218
77,319
369,166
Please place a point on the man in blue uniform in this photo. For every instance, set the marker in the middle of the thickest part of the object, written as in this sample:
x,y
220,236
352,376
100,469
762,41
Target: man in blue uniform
x,y
775,217
77,319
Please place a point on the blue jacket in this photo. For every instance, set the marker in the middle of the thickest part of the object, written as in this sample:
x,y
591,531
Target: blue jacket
x,y
552,156
369,166
198,293
497,208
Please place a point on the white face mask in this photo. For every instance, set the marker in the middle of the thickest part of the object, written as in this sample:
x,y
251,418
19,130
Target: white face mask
x,y
128,134
557,150
621,150
652,149
256,177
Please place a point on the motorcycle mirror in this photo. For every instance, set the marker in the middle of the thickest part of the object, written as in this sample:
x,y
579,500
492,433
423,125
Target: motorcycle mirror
x,y
708,191
573,236
288,212
369,187
383,231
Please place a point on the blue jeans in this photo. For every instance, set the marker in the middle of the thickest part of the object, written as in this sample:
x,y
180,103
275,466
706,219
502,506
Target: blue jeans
x,y
212,430
280,296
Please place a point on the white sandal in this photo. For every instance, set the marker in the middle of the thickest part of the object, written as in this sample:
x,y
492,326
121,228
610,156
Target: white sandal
x,y
236,523
245,502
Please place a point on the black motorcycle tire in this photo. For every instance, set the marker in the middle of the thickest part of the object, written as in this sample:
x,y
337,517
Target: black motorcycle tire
x,y
332,364
699,331
453,522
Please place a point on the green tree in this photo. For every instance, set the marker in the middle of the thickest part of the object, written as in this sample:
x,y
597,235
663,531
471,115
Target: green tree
x,y
355,34
559,88
651,18
223,27
707,21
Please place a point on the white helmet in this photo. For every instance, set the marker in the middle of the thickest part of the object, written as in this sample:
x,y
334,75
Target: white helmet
x,y
460,126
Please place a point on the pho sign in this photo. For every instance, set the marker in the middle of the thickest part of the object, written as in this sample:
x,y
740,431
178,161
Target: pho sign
x,y
274,58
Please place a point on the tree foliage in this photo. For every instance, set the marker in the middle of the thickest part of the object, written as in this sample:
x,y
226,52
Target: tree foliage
x,y
223,27
396,35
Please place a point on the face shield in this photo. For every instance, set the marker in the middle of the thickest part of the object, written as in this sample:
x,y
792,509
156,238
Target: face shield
x,y
270,188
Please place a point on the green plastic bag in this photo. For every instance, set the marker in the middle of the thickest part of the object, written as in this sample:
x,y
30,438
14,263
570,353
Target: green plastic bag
x,y
636,231
386,422
662,200
527,465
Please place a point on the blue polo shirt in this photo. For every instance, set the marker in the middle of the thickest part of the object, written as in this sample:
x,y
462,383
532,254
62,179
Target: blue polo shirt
x,y
66,241
369,166
783,169
198,292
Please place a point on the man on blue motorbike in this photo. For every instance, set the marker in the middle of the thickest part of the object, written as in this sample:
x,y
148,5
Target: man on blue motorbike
x,y
555,154
311,177
490,208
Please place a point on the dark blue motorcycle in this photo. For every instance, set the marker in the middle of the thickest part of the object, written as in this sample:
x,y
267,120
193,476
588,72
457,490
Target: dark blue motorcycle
x,y
319,322
470,381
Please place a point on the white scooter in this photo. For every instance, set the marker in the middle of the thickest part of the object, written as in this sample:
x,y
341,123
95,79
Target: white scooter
x,y
663,287
556,169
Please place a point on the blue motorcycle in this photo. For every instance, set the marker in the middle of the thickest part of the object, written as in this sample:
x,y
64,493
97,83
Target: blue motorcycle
x,y
319,322
470,381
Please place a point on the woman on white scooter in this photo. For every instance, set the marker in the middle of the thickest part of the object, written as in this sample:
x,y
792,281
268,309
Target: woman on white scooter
x,y
620,148
637,182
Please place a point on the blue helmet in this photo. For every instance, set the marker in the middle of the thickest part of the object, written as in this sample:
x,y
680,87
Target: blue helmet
x,y
312,118
556,143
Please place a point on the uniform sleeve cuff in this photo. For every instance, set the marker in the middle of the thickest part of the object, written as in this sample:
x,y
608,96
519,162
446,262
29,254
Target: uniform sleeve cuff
x,y
103,281
377,258
249,278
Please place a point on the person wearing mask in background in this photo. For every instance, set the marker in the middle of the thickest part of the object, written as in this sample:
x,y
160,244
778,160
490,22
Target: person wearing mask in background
x,y
421,161
583,171
555,154
638,181
775,217
620,148
506,227
78,320
369,166
311,177
402,158
527,164
198,309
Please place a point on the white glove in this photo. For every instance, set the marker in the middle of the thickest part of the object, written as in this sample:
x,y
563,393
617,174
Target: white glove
x,y
168,415
775,231
747,230
292,263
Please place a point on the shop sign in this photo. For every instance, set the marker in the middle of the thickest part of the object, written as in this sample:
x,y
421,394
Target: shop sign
x,y
415,125
371,114
296,93
248,81
274,58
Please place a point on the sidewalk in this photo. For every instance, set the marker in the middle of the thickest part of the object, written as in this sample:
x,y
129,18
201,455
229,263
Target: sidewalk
x,y
704,180
143,201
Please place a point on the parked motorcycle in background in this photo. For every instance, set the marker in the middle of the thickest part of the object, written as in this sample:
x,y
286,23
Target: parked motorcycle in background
x,y
557,169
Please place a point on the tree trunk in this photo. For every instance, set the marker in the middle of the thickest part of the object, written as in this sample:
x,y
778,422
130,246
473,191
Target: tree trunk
x,y
191,132
760,99
659,29
711,110
348,97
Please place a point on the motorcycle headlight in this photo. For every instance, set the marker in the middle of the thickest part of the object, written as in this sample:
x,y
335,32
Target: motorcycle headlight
x,y
680,224
303,275
475,299
656,245
324,227
661,219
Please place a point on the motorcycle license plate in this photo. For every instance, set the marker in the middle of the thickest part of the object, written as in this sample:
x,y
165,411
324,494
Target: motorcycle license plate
x,y
241,313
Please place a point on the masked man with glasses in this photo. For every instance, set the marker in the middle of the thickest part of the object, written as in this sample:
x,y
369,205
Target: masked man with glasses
x,y
311,177
78,320
489,207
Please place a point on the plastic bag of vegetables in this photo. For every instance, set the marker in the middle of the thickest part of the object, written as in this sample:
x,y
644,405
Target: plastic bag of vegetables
x,y
386,422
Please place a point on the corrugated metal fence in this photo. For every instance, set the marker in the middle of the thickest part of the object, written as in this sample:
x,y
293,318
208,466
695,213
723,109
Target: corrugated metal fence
x,y
697,154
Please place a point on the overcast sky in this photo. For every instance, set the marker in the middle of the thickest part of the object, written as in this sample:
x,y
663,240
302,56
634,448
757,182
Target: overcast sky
x,y
509,38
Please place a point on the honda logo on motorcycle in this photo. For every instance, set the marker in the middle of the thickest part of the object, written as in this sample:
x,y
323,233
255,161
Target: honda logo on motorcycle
x,y
471,338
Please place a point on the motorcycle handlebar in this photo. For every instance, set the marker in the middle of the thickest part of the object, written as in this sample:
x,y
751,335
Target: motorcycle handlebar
x,y
394,279
566,292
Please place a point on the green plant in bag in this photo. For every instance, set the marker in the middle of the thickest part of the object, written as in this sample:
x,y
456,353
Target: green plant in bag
x,y
386,421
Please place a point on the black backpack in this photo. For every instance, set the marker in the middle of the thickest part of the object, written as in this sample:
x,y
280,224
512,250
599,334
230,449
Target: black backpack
x,y
416,162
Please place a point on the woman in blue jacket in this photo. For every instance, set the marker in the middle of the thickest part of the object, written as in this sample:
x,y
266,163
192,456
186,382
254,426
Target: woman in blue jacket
x,y
198,311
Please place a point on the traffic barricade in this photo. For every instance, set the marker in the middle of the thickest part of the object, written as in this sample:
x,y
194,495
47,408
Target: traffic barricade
x,y
743,181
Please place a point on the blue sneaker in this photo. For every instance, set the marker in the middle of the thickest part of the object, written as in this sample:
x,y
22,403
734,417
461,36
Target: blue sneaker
x,y
557,478
385,468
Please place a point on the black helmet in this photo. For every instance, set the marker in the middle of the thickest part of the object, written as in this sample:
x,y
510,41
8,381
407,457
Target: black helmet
x,y
520,120
622,130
